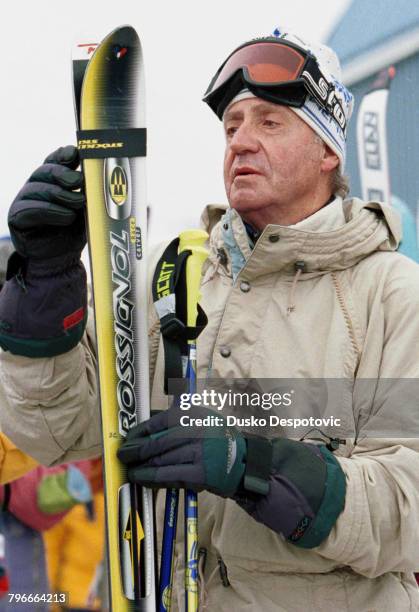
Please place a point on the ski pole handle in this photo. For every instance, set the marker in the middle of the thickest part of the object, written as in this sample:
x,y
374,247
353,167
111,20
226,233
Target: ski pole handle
x,y
192,240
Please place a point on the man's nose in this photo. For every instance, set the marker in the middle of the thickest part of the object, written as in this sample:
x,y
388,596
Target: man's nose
x,y
244,140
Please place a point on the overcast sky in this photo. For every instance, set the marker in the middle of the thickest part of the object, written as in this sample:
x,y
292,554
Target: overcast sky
x,y
184,42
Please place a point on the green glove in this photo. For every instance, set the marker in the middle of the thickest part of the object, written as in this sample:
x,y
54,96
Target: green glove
x,y
160,453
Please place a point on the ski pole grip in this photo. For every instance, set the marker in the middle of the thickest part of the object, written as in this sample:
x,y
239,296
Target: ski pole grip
x,y
194,241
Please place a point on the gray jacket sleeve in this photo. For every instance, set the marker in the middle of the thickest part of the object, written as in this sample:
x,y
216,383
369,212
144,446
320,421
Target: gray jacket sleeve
x,y
50,406
377,532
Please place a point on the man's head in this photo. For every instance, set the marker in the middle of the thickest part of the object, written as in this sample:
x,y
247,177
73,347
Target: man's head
x,y
296,161
276,168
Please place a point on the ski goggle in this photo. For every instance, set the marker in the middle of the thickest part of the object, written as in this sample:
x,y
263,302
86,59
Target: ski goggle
x,y
277,71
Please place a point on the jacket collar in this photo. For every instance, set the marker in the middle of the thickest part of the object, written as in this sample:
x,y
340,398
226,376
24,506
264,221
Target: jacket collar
x,y
335,238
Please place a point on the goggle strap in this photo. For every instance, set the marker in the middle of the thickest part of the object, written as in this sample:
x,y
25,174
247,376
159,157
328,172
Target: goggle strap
x,y
323,92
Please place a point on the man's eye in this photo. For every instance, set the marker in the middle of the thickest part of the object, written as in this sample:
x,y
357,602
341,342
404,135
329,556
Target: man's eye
x,y
230,131
270,123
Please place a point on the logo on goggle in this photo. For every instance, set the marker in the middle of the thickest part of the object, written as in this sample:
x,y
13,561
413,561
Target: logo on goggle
x,y
118,186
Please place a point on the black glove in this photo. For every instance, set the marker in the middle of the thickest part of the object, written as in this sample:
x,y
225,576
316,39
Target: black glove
x,y
43,305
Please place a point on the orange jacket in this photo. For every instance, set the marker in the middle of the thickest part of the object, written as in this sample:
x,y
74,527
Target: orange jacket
x,y
13,462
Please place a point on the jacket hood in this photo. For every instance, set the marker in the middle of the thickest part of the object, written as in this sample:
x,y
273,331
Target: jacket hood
x,y
363,228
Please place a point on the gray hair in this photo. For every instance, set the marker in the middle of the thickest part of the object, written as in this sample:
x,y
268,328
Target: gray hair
x,y
339,183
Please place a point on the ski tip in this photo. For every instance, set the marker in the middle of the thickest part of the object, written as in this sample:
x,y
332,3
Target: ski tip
x,y
84,47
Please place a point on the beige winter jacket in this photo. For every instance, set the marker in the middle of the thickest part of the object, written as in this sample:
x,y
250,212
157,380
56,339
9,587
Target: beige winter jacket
x,y
352,314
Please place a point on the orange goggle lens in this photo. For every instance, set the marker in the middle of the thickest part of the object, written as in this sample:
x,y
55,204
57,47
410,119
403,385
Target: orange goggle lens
x,y
265,63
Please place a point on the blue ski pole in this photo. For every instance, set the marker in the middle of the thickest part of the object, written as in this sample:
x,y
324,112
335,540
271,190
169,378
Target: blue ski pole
x,y
193,241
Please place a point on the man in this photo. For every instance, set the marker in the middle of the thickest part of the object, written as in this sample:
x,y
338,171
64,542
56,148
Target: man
x,y
299,285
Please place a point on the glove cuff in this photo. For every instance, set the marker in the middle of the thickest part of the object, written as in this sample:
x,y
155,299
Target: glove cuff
x,y
39,268
258,465
43,310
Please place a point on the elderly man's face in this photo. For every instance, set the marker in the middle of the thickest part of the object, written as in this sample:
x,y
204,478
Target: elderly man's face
x,y
274,163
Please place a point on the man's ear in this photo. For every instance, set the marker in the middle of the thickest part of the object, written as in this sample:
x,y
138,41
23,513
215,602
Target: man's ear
x,y
330,160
